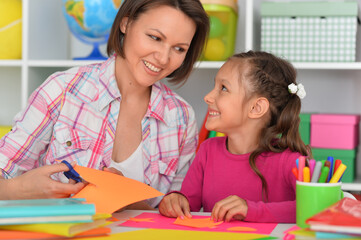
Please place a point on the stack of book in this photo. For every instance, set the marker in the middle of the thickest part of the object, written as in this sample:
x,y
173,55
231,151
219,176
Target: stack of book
x,y
341,220
63,217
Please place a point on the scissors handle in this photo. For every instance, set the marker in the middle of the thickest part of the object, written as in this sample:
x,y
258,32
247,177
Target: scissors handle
x,y
71,174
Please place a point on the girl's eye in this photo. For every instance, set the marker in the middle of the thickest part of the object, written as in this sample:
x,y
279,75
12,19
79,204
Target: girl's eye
x,y
180,49
223,88
154,37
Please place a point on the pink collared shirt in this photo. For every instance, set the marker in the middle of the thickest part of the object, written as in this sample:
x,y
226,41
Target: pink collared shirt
x,y
73,115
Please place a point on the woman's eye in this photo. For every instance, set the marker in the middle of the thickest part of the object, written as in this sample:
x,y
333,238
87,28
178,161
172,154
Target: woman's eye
x,y
180,49
154,37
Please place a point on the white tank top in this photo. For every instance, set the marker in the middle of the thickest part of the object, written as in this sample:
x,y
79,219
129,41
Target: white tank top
x,y
133,166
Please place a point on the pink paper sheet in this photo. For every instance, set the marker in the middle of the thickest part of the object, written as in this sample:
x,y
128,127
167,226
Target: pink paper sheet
x,y
161,222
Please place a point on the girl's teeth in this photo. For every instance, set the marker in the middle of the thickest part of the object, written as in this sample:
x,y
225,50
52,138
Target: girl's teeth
x,y
213,113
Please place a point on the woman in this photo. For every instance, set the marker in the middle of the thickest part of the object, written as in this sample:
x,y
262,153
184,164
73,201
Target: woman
x,y
113,114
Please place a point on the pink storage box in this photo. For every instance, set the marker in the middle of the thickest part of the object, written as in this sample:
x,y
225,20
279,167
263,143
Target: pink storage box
x,y
338,131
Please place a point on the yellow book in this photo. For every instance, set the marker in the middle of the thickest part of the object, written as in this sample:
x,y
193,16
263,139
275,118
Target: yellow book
x,y
62,229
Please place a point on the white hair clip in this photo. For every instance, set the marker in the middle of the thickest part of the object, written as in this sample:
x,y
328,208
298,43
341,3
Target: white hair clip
x,y
298,89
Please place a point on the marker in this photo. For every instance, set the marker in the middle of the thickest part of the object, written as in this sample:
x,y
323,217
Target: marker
x,y
324,174
337,164
312,164
323,162
295,172
327,164
316,172
331,168
297,162
338,174
301,165
306,174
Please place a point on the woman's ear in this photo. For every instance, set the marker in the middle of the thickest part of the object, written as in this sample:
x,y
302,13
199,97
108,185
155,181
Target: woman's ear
x,y
123,25
259,108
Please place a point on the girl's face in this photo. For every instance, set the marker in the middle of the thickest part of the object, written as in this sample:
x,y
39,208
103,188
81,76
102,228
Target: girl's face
x,y
227,105
156,44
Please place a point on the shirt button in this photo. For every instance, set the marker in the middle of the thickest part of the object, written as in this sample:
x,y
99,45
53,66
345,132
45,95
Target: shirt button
x,y
68,143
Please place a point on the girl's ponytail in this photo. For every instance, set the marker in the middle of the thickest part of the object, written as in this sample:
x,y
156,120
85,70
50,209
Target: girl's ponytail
x,y
288,127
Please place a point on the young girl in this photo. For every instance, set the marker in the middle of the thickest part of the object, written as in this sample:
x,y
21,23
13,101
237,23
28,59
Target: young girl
x,y
247,174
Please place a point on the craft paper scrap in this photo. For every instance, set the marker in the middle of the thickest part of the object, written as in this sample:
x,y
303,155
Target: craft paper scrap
x,y
197,222
157,234
110,192
303,232
288,235
161,222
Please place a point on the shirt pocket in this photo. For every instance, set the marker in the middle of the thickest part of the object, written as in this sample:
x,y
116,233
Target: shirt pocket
x,y
71,144
168,166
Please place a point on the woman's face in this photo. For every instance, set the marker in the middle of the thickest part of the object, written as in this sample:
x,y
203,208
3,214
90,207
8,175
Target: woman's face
x,y
155,44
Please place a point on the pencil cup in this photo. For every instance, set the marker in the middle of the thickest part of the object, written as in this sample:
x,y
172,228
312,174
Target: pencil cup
x,y
312,198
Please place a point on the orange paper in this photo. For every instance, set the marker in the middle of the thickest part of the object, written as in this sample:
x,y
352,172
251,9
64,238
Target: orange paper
x,y
110,192
141,219
241,229
197,222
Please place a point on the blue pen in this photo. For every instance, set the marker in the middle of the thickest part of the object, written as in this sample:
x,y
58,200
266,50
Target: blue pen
x,y
71,174
297,162
331,168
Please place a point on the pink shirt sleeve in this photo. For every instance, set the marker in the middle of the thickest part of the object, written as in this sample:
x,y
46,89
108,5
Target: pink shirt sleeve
x,y
193,182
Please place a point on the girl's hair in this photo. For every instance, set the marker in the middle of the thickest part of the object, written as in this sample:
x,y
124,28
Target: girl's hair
x,y
269,76
191,8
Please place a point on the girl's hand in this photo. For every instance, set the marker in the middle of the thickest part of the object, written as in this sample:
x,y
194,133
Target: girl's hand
x,y
37,183
113,170
228,208
175,205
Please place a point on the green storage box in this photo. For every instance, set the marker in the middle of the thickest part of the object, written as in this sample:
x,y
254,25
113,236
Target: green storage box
x,y
348,157
310,31
223,28
305,127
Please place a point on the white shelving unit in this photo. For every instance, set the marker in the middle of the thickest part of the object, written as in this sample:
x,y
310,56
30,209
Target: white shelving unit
x,y
49,47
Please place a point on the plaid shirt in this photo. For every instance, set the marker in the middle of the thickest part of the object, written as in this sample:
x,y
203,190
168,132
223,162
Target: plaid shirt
x,y
73,116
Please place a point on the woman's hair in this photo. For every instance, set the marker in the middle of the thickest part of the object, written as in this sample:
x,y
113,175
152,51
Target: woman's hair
x,y
191,8
269,76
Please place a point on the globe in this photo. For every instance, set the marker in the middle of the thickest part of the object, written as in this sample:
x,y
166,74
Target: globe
x,y
90,21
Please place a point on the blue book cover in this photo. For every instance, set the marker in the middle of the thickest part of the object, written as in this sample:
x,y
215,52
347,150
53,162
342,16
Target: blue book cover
x,y
45,207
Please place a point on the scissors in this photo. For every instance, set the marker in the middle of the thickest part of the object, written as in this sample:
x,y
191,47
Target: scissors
x,y
71,174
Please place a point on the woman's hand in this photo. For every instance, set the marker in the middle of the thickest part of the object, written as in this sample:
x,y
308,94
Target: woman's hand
x,y
37,183
228,208
175,205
